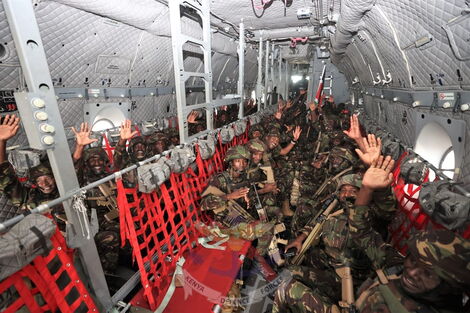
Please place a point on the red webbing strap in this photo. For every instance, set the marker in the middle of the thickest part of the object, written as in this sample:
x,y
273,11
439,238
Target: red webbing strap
x,y
153,220
49,283
109,149
410,215
64,284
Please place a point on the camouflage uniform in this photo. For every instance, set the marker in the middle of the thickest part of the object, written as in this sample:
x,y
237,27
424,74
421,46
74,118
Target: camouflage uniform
x,y
152,140
223,212
123,159
24,197
256,128
108,237
335,249
445,252
256,174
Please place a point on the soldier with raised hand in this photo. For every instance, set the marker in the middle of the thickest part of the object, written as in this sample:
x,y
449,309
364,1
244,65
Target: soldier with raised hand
x,y
20,195
158,143
227,198
90,164
436,271
434,276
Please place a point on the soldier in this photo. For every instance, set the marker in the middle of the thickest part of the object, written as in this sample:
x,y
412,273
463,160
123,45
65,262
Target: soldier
x,y
136,152
158,143
434,276
20,195
226,197
256,131
262,173
91,166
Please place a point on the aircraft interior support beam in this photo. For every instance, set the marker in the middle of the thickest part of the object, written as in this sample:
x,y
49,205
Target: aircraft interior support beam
x,y
241,69
43,125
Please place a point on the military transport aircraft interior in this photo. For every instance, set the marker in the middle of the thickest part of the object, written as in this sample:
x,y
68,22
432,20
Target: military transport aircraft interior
x,y
228,156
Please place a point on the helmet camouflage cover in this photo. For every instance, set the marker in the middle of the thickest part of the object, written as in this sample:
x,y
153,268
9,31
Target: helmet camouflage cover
x,y
237,152
343,153
446,252
95,151
256,145
274,132
40,170
350,179
256,127
159,136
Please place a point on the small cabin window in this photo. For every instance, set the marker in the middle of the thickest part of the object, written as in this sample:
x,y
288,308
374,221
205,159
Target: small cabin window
x,y
435,146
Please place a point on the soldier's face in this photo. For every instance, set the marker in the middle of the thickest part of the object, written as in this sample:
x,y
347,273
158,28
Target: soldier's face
x,y
336,163
239,165
319,161
417,277
256,156
272,142
46,184
139,151
96,165
256,134
159,147
348,192
175,140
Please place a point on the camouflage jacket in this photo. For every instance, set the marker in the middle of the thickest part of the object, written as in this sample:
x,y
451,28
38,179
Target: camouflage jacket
x,y
20,195
220,206
336,236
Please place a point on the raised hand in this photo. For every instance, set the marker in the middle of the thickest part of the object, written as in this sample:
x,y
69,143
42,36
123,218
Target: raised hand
x,y
372,148
354,131
379,175
83,136
281,104
125,131
297,132
9,127
192,117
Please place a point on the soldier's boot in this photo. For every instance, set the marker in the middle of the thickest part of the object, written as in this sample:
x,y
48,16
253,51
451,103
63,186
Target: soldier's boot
x,y
285,208
266,270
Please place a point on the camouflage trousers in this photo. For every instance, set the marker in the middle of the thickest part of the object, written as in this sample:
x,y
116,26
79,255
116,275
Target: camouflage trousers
x,y
107,242
306,210
269,202
310,290
264,232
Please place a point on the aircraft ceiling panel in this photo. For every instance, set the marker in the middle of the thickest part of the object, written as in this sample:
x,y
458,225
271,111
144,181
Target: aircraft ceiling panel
x,y
273,17
10,66
381,37
417,21
359,62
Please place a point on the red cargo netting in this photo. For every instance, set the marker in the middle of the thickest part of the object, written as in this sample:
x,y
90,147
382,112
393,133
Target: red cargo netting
x,y
161,225
49,283
410,216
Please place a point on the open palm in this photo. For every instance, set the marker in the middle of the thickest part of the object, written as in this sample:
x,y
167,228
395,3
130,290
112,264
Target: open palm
x,y
9,127
83,135
379,175
126,132
372,147
354,131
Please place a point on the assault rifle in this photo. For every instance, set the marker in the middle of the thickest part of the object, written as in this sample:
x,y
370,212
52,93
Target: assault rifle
x,y
314,235
108,200
347,289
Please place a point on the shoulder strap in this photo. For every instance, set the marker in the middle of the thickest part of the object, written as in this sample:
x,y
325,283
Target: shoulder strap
x,y
393,303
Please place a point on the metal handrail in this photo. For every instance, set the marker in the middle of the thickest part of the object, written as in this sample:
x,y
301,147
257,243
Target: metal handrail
x,y
45,206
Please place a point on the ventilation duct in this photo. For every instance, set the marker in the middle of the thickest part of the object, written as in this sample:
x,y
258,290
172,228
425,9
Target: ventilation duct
x,y
349,24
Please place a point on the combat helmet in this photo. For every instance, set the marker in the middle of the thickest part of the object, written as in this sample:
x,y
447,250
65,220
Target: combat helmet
x,y
158,136
350,179
256,145
40,170
343,153
95,151
134,141
446,252
256,128
237,152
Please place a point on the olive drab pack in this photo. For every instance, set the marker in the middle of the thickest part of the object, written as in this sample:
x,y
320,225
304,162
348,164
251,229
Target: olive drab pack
x,y
413,170
153,175
445,207
182,158
207,147
239,127
23,160
391,148
23,242
227,133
